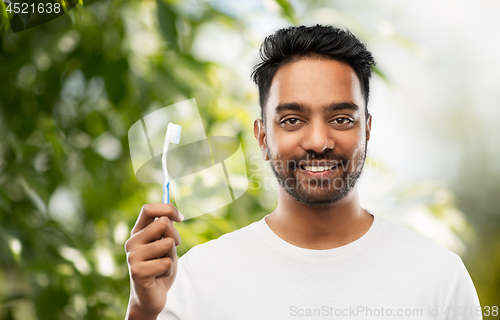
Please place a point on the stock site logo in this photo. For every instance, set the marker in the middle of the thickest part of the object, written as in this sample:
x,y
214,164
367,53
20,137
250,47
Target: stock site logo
x,y
26,14
207,173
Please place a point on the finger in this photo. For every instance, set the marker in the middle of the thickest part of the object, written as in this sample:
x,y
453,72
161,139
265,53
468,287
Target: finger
x,y
172,254
153,250
152,268
161,228
155,210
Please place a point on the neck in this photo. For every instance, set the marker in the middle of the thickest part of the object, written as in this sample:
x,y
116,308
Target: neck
x,y
319,227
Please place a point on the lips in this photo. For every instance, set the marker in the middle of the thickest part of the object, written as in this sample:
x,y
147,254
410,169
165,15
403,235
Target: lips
x,y
317,170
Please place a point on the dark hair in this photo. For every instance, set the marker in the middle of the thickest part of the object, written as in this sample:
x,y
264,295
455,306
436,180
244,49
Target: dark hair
x,y
324,42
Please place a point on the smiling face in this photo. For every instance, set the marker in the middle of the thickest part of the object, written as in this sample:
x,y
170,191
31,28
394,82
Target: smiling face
x,y
316,130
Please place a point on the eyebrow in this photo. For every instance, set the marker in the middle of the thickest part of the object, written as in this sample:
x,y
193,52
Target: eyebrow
x,y
293,106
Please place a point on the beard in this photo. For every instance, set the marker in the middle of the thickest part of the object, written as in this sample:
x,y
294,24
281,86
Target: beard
x,y
318,192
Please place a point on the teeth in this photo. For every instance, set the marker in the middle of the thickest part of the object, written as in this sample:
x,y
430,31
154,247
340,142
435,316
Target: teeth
x,y
317,168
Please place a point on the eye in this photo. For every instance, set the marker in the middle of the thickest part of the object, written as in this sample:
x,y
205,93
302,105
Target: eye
x,y
291,121
342,120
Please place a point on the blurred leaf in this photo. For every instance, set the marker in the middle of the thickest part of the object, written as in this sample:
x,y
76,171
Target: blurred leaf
x,y
167,21
25,18
381,74
50,302
5,24
288,10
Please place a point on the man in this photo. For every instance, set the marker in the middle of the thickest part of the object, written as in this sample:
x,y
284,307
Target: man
x,y
319,254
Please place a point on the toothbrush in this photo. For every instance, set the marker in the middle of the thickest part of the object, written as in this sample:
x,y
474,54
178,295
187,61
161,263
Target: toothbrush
x,y
173,135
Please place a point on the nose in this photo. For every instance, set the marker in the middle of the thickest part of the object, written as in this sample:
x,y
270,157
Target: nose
x,y
318,138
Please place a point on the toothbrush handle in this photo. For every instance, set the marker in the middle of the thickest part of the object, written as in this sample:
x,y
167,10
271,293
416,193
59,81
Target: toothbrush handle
x,y
166,180
166,194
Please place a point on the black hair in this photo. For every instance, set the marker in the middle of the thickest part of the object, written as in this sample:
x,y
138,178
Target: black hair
x,y
324,42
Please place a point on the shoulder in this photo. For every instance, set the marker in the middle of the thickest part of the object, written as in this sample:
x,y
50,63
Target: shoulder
x,y
413,246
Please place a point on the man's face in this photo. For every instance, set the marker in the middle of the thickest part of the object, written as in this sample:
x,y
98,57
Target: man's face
x,y
316,130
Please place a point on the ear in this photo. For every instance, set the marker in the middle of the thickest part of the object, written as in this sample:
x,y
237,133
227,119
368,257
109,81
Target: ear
x,y
368,127
259,132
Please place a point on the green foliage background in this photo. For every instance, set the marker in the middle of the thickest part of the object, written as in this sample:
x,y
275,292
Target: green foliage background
x,y
65,86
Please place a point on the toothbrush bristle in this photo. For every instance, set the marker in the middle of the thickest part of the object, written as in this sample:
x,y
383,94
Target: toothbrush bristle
x,y
174,133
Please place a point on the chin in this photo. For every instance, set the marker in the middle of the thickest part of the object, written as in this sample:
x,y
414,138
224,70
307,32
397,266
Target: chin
x,y
318,200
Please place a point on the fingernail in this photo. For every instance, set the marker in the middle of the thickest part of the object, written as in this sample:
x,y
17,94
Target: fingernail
x,y
181,216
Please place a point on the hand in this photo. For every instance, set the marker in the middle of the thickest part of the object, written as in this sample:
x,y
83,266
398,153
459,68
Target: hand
x,y
152,259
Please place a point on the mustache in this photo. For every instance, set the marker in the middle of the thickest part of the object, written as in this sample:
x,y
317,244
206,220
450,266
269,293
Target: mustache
x,y
327,157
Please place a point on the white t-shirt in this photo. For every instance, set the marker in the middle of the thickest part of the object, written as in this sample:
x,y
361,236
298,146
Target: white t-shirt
x,y
390,272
